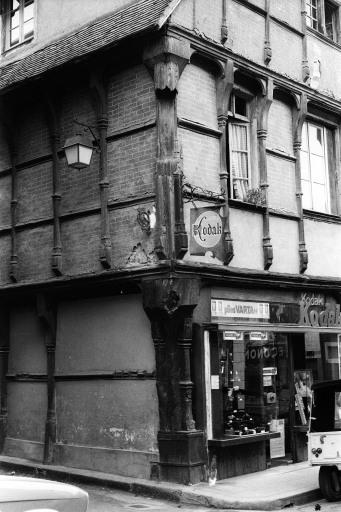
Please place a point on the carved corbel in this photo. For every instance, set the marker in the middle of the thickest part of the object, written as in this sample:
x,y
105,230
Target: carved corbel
x,y
47,315
224,89
264,104
224,29
166,59
99,95
299,117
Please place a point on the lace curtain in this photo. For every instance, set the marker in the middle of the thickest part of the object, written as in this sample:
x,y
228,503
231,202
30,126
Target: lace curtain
x,y
239,160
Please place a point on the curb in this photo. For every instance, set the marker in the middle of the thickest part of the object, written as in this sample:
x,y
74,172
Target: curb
x,y
158,490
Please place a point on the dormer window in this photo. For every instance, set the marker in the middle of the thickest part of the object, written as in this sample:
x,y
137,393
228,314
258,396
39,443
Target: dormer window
x,y
18,21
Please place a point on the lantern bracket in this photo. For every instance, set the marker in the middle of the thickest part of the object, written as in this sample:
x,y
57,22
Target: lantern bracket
x,y
97,145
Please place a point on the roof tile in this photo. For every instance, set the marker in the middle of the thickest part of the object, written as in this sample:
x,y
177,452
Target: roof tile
x,y
136,18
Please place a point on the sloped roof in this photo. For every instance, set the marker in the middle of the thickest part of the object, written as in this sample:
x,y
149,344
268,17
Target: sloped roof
x,y
139,17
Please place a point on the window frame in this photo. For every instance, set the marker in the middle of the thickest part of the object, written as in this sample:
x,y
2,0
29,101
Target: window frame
x,y
241,120
236,119
7,23
318,23
330,138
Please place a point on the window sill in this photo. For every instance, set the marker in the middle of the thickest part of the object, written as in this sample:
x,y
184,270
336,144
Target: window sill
x,y
16,46
323,38
242,205
321,217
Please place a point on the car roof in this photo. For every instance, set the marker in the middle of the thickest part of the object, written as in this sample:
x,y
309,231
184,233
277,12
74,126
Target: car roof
x,y
16,488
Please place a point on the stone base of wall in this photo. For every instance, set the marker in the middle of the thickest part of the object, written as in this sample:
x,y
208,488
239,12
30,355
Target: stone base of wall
x,y
24,449
136,464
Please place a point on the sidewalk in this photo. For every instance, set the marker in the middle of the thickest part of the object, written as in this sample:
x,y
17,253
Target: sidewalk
x,y
272,489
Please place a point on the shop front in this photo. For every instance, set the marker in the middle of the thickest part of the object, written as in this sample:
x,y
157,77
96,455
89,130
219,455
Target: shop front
x,y
261,358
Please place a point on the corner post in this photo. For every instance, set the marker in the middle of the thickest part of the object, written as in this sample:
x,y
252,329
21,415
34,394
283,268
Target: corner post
x,y
169,304
165,59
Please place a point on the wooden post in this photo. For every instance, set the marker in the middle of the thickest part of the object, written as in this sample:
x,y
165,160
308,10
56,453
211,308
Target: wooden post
x,y
54,132
305,65
267,44
169,303
298,120
48,317
262,131
100,96
8,115
224,90
4,351
165,60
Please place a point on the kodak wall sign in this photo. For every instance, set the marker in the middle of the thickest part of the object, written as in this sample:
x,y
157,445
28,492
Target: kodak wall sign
x,y
206,231
320,316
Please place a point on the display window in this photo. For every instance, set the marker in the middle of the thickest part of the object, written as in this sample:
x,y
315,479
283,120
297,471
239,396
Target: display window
x,y
261,381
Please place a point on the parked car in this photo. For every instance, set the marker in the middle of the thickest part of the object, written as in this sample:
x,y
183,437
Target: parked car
x,y
324,437
21,494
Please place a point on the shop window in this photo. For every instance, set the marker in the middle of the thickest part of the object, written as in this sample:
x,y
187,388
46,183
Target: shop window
x,y
324,16
317,168
240,143
255,383
18,22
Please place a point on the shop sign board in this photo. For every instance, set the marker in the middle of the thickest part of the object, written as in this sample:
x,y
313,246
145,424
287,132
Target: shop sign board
x,y
207,227
233,335
316,316
258,336
269,370
234,310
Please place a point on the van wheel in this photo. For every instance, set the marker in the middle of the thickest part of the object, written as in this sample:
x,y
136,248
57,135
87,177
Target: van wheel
x,y
330,483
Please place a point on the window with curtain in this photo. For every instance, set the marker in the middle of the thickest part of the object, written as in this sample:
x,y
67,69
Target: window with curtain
x,y
239,148
317,168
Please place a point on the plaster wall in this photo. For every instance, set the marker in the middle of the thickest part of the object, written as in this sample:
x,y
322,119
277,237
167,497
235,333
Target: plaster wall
x,y
194,15
27,342
196,98
288,11
284,239
286,51
201,159
27,402
247,234
103,419
248,43
330,59
104,334
322,242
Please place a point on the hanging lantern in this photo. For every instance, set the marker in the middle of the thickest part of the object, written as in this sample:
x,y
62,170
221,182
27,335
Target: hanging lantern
x,y
78,151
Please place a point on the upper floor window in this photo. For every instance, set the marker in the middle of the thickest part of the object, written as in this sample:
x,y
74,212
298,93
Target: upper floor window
x,y
18,21
317,169
324,16
239,148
